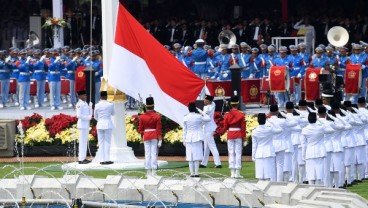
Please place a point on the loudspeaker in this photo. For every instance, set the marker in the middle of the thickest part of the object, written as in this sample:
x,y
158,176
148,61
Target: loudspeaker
x,y
7,138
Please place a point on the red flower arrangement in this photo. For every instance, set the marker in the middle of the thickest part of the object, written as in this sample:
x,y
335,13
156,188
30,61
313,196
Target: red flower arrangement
x,y
58,123
219,120
30,121
93,125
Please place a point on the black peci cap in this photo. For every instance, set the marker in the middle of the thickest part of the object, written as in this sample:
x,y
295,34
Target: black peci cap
x,y
302,103
82,92
208,97
318,102
192,107
312,117
234,99
261,118
322,110
347,103
150,102
274,108
361,100
103,93
289,105
335,105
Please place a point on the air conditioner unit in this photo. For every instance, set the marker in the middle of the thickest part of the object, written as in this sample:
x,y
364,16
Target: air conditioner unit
x,y
7,138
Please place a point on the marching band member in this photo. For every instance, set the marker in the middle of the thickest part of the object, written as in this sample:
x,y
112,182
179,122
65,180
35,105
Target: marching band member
x,y
15,73
244,60
193,137
318,60
272,55
199,56
54,69
5,70
263,56
296,71
39,74
282,60
255,64
343,59
263,151
223,61
24,79
357,57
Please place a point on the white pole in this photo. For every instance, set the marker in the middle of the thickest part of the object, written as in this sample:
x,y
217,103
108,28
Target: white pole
x,y
120,152
57,11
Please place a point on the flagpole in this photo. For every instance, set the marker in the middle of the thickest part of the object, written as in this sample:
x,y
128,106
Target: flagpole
x,y
120,152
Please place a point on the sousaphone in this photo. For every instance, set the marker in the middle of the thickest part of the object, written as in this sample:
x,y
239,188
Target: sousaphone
x,y
338,36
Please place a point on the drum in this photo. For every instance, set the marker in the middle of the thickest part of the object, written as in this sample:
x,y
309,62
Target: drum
x,y
353,79
279,79
311,83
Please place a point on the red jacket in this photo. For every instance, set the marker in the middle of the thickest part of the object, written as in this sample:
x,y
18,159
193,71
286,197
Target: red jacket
x,y
233,121
150,125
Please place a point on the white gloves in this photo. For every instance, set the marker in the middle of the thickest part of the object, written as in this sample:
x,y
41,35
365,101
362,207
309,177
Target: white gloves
x,y
299,75
88,57
311,110
283,114
28,59
184,144
251,76
331,117
213,77
42,58
225,75
7,59
297,111
57,59
355,110
245,143
363,66
96,74
343,111
74,59
159,144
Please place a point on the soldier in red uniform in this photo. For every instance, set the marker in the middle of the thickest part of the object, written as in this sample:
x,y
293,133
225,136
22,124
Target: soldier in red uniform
x,y
150,128
234,124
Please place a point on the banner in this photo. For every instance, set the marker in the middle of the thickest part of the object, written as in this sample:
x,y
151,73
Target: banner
x,y
353,78
80,79
311,84
279,79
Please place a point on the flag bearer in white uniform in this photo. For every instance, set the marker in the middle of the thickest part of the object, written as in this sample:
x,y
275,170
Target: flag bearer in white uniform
x,y
263,152
84,115
295,140
303,122
279,140
333,127
150,128
313,149
337,154
193,137
363,110
103,113
209,130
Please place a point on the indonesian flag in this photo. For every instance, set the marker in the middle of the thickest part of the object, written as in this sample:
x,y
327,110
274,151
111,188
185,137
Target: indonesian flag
x,y
141,66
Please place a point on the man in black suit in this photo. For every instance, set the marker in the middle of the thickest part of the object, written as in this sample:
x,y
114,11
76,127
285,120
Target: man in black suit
x,y
172,33
256,34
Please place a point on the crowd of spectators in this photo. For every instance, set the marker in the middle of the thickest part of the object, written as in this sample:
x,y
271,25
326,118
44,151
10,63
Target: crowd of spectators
x,y
186,32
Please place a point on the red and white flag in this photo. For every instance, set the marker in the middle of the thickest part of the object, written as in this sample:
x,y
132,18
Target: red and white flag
x,y
140,65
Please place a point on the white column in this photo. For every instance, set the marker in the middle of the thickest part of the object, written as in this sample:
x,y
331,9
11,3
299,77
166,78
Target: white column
x,y
120,152
57,11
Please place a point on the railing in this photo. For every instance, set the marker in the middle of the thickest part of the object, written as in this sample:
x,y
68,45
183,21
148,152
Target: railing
x,y
277,41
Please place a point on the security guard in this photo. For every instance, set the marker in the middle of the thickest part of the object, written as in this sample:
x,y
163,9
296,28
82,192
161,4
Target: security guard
x,y
103,112
84,115
150,128
209,130
234,124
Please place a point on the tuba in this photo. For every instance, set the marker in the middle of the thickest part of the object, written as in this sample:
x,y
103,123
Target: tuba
x,y
227,38
338,36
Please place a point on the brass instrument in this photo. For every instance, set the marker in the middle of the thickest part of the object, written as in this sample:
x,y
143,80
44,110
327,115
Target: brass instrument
x,y
226,37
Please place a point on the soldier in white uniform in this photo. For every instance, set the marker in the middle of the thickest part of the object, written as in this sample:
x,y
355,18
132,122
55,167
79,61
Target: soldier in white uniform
x,y
313,149
84,115
263,152
193,137
295,140
333,127
337,154
209,130
279,141
104,110
363,110
303,122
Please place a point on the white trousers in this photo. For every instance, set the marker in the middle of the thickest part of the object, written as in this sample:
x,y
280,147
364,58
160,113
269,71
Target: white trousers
x,y
234,147
280,156
104,144
150,152
294,168
210,145
83,140
327,166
